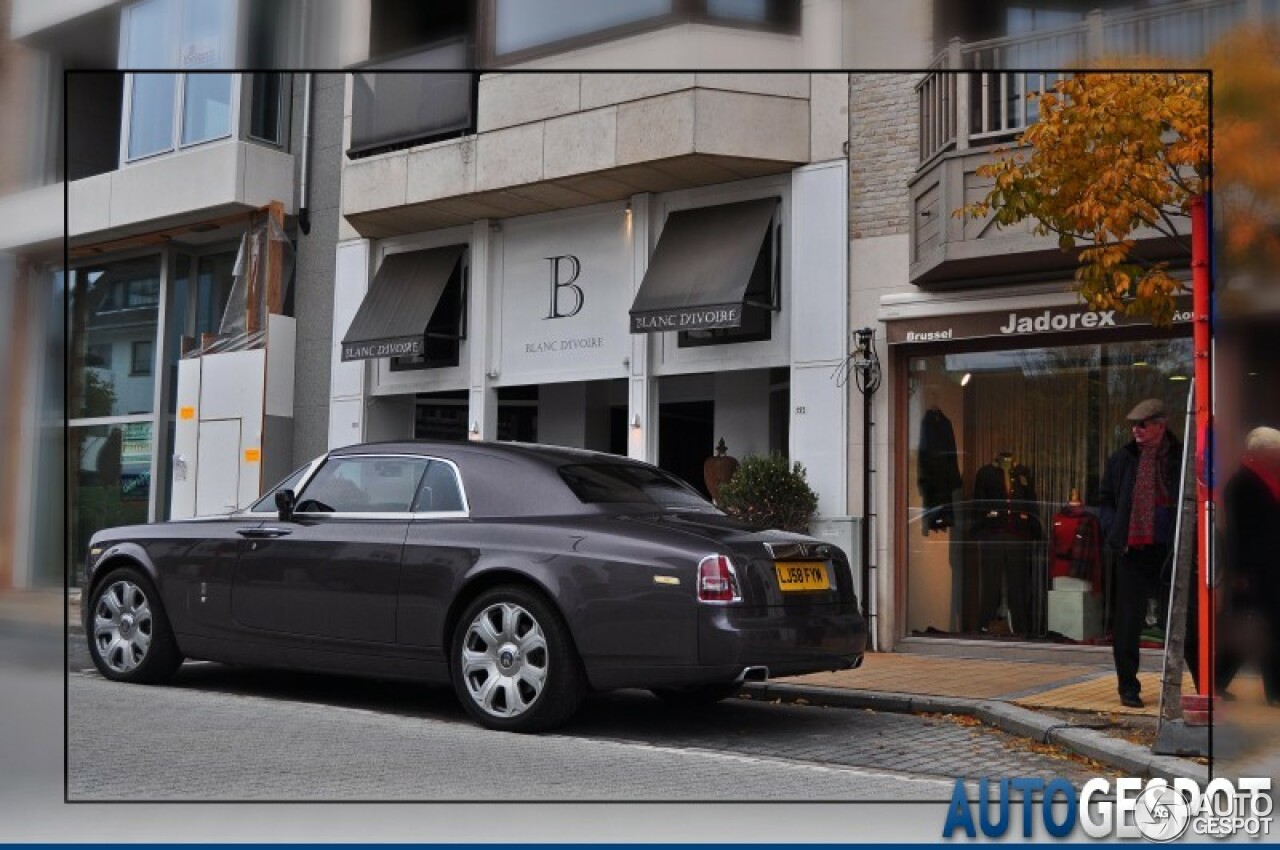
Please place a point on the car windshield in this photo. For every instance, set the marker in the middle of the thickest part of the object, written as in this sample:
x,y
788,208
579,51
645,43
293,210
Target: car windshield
x,y
623,482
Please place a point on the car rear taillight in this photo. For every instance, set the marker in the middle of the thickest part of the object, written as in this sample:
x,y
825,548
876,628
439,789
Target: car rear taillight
x,y
718,581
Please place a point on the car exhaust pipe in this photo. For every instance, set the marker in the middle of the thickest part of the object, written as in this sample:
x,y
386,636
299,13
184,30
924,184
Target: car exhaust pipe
x,y
753,674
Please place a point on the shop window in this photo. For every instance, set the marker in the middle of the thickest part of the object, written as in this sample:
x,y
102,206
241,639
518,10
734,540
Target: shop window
x,y
999,443
760,302
110,480
113,306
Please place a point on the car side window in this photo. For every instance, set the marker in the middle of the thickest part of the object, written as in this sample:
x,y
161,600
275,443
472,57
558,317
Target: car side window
x,y
363,485
439,490
267,504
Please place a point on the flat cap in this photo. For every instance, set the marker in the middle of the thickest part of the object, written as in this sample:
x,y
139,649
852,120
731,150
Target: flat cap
x,y
1149,408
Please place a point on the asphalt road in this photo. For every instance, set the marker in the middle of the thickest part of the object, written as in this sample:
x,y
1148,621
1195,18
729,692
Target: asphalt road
x,y
223,733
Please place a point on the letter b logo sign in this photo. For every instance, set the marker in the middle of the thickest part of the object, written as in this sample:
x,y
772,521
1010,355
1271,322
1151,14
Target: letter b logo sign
x,y
564,271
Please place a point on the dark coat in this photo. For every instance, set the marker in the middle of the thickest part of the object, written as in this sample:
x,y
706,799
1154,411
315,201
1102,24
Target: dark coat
x,y
938,461
1251,535
1115,497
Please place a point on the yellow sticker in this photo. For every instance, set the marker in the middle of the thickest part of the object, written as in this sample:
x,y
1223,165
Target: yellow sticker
x,y
252,455
186,413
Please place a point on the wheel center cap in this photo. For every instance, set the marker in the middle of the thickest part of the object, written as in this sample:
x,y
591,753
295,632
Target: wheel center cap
x,y
126,625
507,657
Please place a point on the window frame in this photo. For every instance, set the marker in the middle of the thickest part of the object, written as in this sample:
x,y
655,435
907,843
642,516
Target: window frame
x,y
134,371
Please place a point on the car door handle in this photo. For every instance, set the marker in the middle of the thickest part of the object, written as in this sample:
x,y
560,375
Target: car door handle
x,y
263,532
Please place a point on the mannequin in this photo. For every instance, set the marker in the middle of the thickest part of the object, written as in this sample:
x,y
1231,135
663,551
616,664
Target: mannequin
x,y
1005,526
1077,544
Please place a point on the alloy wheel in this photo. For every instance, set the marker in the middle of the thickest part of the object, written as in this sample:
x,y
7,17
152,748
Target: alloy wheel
x,y
504,660
122,626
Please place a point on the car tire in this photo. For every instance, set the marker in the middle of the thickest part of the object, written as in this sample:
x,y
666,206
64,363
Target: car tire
x,y
697,696
513,663
129,636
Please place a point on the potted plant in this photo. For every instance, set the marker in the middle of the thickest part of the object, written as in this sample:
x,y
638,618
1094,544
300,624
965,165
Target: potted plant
x,y
766,492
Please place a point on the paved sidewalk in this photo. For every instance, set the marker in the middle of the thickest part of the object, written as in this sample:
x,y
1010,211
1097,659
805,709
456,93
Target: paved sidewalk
x,y
1072,705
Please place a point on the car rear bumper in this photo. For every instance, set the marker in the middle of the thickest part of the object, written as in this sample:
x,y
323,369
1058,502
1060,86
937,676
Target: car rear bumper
x,y
788,640
736,642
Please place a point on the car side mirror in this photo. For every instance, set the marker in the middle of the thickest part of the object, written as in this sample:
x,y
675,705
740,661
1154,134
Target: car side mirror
x,y
285,501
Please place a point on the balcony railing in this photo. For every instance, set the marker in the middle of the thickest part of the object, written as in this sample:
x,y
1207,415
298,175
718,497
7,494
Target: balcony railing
x,y
993,101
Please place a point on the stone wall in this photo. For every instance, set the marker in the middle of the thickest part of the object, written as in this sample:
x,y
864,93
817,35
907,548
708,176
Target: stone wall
x,y
883,152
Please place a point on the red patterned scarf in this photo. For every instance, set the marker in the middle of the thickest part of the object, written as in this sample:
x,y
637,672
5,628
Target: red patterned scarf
x,y
1149,491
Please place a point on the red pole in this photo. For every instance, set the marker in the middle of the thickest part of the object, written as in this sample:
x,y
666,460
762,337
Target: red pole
x,y
1201,285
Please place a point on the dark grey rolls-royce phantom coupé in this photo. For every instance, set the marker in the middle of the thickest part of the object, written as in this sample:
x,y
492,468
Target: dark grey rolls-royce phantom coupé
x,y
523,575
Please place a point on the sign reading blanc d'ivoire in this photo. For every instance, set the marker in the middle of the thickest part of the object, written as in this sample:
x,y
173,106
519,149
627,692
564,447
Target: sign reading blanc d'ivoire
x,y
1016,323
401,347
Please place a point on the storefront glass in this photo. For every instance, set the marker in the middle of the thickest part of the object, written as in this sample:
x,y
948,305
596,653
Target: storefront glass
x,y
110,481
114,313
999,442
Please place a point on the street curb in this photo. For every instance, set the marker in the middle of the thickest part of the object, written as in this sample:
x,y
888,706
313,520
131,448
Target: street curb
x,y
1043,728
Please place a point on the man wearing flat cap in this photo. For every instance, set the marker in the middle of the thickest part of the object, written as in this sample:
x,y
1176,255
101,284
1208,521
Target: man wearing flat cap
x,y
1138,496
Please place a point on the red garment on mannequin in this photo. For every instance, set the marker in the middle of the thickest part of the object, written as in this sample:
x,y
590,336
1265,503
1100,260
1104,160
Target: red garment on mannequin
x,y
1077,546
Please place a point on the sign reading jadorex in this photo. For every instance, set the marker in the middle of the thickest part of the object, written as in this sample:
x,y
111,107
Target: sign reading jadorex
x,y
1012,323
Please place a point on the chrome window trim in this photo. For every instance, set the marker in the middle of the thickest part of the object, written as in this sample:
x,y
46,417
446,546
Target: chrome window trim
x,y
465,513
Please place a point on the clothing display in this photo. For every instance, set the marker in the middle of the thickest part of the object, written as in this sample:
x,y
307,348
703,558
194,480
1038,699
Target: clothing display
x,y
1077,546
938,473
1005,528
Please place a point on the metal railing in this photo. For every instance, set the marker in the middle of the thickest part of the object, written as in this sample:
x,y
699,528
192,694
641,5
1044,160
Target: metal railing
x,y
981,92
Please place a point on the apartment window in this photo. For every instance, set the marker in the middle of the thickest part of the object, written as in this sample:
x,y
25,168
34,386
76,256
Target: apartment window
x,y
515,30
392,109
167,110
266,108
140,359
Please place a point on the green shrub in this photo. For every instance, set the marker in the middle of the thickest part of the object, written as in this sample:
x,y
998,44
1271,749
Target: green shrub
x,y
766,493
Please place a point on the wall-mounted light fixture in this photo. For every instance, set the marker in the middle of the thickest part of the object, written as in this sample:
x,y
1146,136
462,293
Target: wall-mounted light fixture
x,y
475,427
635,420
968,376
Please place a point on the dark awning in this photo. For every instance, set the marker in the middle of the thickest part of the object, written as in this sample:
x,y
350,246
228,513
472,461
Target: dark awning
x,y
393,317
698,276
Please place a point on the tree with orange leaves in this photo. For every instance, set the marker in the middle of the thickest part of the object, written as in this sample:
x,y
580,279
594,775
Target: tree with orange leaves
x,y
1113,155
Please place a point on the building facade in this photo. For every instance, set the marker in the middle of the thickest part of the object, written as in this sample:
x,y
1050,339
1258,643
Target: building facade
x,y
639,263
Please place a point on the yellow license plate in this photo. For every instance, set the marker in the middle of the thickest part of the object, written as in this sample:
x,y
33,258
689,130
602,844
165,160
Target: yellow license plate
x,y
802,575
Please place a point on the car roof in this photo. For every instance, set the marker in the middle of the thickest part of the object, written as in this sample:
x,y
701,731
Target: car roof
x,y
503,479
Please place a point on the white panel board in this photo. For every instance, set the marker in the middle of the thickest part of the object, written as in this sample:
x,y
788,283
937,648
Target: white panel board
x,y
346,422
819,307
281,346
186,436
819,431
232,385
218,474
351,282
